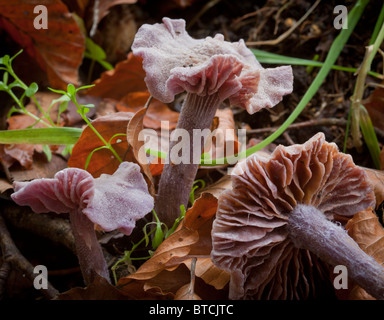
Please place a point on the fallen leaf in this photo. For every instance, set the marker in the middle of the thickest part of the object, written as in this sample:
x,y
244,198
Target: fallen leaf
x,y
57,49
127,76
192,239
225,142
134,128
99,289
376,178
366,230
157,111
207,271
22,153
185,293
375,107
103,161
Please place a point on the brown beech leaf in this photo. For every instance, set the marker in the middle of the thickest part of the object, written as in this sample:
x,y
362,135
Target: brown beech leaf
x,y
207,271
376,178
186,293
368,233
176,248
135,126
57,49
375,107
225,142
127,76
103,161
157,111
21,153
99,289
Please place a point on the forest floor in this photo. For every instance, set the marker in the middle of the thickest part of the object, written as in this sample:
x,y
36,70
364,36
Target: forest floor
x,y
253,21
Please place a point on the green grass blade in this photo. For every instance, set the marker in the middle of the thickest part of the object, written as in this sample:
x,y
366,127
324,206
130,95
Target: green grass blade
x,y
273,58
378,25
52,136
369,136
334,52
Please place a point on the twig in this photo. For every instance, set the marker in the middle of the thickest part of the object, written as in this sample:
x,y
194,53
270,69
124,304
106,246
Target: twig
x,y
287,33
56,229
4,273
312,123
13,256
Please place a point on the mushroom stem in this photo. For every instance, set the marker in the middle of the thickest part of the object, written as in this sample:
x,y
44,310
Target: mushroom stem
x,y
176,180
310,229
88,249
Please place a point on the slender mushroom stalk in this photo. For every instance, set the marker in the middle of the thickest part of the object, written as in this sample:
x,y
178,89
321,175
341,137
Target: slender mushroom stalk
x,y
274,231
308,228
210,70
110,201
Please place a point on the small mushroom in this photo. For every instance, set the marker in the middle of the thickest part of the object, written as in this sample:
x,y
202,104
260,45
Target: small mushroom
x,y
210,70
276,222
110,201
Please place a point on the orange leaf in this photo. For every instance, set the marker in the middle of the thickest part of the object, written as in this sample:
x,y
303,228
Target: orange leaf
x,y
206,270
127,76
57,49
134,128
102,160
157,111
375,107
368,233
376,178
170,254
185,293
203,210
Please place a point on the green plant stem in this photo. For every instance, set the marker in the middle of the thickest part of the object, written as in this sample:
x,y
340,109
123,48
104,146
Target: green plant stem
x,y
20,104
25,87
107,144
127,255
334,52
360,86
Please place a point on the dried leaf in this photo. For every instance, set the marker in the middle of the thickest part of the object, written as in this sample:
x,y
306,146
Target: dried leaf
x,y
22,153
134,128
157,111
225,141
57,49
103,161
376,178
185,293
368,233
206,270
170,254
375,107
99,289
127,76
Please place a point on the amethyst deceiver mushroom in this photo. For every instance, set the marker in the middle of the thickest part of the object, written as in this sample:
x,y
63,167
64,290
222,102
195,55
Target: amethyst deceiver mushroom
x,y
110,201
210,70
276,222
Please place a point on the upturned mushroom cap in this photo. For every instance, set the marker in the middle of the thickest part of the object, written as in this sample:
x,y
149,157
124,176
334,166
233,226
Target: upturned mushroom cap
x,y
175,62
250,234
111,201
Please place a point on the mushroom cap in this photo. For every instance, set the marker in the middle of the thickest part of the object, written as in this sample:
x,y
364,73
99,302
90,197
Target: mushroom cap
x,y
111,201
175,62
250,233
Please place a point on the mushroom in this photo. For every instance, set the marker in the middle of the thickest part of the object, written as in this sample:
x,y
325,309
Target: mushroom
x,y
110,201
276,222
210,70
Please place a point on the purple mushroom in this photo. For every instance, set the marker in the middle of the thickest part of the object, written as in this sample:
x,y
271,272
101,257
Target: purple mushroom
x,y
111,202
274,230
210,70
